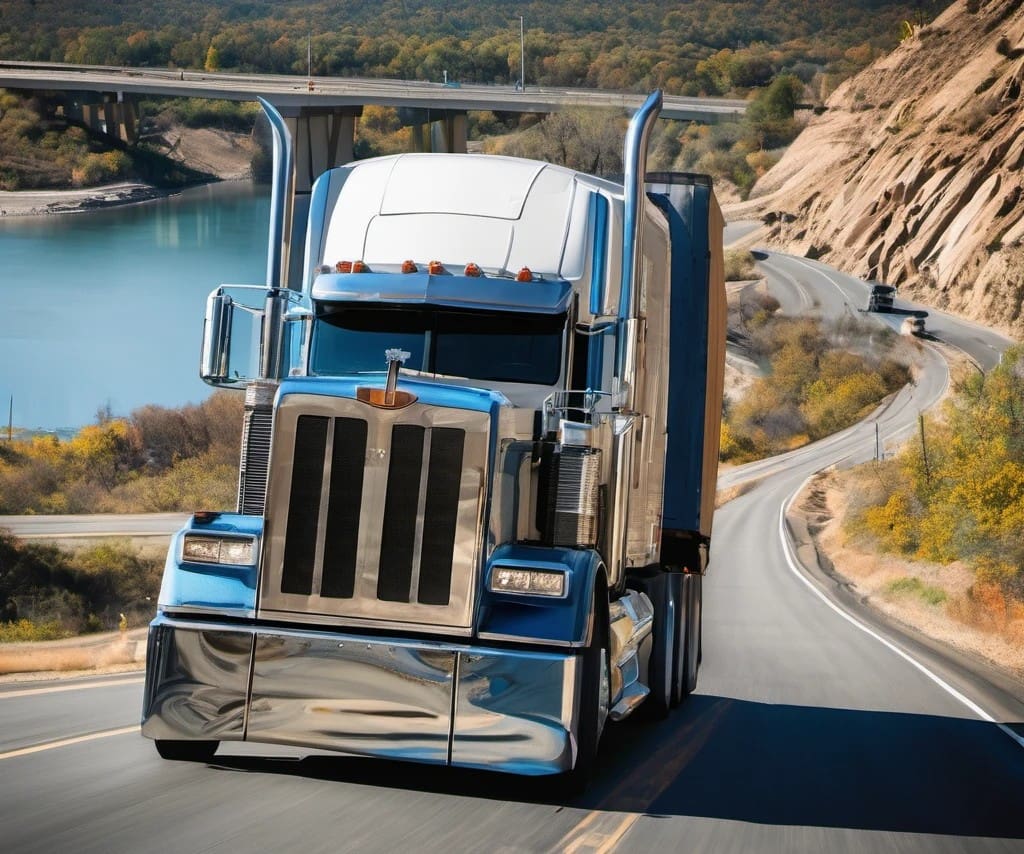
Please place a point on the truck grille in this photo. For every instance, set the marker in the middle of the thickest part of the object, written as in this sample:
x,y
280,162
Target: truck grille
x,y
382,515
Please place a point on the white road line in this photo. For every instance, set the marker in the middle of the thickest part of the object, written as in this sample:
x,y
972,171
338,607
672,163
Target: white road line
x,y
55,689
66,742
793,563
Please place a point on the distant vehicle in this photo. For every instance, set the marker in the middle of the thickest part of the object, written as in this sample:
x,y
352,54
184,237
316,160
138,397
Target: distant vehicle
x,y
913,325
881,297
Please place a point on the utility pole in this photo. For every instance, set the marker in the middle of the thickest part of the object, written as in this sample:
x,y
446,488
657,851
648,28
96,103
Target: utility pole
x,y
924,450
309,62
522,55
10,422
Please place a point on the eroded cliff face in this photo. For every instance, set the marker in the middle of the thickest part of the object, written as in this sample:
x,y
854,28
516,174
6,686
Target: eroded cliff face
x,y
914,175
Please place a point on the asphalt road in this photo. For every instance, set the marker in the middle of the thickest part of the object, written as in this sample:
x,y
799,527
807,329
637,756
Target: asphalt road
x,y
98,525
807,733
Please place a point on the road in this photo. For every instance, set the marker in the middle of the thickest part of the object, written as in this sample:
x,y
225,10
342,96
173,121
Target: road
x,y
98,525
292,90
807,733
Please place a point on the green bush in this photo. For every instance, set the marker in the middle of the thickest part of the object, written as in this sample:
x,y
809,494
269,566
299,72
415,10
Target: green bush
x,y
812,388
22,631
53,593
910,585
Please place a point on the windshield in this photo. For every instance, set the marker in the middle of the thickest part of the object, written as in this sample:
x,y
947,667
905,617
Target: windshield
x,y
497,346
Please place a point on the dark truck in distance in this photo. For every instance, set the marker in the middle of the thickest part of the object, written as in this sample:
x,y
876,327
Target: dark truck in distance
x,y
881,297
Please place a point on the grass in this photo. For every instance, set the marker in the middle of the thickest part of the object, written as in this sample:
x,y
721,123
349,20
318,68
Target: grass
x,y
909,585
739,265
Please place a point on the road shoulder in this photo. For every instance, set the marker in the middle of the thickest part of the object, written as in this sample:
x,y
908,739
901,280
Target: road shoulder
x,y
977,661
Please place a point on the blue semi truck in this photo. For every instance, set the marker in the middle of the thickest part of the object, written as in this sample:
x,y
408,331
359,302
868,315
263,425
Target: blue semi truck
x,y
478,467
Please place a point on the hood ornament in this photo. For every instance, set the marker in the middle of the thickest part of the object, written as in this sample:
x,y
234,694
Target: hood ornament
x,y
396,358
389,397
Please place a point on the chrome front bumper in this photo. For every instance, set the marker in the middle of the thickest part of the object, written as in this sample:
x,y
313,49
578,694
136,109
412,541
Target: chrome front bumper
x,y
442,703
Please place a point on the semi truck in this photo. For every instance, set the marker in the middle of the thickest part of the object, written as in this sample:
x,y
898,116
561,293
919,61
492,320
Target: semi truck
x,y
478,467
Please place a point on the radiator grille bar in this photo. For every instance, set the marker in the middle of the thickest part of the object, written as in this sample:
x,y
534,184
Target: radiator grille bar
x,y
341,543
304,504
398,534
444,476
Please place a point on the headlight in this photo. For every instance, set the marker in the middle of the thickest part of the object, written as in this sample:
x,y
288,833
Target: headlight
x,y
237,551
536,582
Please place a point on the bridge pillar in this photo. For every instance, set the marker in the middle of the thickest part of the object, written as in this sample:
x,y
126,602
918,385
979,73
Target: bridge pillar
x,y
322,137
449,133
113,115
120,118
436,130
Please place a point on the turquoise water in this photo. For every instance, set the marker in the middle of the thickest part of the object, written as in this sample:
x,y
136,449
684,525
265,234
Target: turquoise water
x,y
106,307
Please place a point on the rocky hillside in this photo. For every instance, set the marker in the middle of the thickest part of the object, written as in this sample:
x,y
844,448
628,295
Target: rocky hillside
x,y
913,174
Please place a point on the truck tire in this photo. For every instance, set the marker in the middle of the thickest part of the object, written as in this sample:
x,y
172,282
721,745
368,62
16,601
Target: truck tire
x,y
661,669
594,693
688,648
186,751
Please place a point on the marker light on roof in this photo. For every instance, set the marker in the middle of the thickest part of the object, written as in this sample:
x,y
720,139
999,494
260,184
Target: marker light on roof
x,y
360,267
524,275
435,268
343,267
473,270
409,267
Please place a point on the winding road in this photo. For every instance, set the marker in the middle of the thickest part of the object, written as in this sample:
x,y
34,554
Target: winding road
x,y
811,730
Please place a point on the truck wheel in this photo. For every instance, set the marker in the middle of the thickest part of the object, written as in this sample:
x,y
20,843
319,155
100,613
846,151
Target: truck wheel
x,y
697,623
688,648
186,751
662,665
594,700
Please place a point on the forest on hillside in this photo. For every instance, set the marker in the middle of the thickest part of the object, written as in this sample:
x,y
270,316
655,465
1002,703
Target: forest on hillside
x,y
696,47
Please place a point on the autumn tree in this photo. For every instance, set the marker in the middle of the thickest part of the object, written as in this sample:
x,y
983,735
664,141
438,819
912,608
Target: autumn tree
x,y
212,61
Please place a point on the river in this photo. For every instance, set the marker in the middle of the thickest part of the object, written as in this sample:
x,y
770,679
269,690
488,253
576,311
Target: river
x,y
105,308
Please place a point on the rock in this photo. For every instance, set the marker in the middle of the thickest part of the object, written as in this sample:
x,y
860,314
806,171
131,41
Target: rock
x,y
914,171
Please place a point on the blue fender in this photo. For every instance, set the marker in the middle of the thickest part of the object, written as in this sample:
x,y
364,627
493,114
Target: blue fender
x,y
535,619
216,587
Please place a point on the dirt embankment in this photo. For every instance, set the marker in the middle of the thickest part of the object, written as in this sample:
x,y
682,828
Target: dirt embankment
x,y
112,652
937,600
222,153
225,155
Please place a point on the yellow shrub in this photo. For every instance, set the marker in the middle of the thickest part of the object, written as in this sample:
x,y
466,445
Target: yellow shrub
x,y
894,523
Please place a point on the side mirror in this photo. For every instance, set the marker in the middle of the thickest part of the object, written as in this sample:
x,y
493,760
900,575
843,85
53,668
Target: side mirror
x,y
231,342
214,361
247,337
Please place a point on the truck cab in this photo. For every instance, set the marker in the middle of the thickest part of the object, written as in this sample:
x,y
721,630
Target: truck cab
x,y
477,476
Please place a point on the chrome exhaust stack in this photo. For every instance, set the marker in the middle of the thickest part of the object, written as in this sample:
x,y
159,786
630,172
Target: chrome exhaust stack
x,y
257,425
634,158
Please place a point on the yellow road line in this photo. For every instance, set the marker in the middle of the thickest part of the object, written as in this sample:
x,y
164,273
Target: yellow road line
x,y
53,689
66,742
598,833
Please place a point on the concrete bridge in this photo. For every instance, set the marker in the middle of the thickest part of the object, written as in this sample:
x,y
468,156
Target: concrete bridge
x,y
106,96
321,111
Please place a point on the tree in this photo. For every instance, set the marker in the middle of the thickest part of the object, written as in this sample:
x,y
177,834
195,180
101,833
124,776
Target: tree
x,y
212,62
